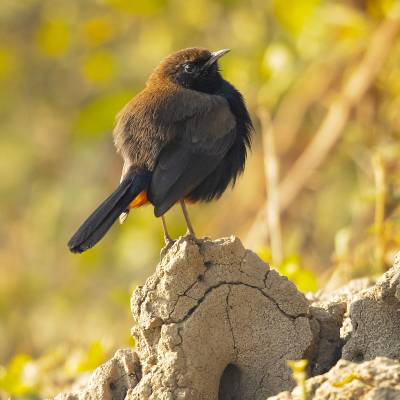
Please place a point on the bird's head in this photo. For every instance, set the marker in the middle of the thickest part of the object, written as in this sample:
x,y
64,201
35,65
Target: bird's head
x,y
194,68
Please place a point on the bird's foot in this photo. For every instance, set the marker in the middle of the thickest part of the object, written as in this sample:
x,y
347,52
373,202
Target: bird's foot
x,y
190,235
168,241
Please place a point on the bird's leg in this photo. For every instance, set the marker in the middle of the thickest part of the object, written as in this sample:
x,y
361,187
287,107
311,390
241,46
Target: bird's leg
x,y
187,219
167,237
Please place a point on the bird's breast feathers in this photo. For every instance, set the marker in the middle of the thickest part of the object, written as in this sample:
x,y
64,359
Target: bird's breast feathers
x,y
157,116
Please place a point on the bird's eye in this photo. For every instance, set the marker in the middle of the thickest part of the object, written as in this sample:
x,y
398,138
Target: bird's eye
x,y
189,68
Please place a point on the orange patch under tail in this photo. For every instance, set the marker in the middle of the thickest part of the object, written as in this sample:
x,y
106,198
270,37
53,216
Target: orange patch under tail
x,y
139,200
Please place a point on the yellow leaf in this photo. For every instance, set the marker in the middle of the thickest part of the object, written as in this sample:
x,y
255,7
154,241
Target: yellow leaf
x,y
304,279
294,15
297,365
53,38
131,341
98,30
138,7
380,8
264,253
98,68
350,378
299,374
7,64
20,377
93,358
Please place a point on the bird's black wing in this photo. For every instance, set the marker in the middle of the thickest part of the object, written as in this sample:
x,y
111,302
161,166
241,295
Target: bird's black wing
x,y
200,143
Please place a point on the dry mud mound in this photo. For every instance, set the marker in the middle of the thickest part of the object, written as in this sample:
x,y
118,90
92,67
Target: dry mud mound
x,y
215,322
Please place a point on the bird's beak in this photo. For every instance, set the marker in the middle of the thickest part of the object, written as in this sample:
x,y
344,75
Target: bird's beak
x,y
215,56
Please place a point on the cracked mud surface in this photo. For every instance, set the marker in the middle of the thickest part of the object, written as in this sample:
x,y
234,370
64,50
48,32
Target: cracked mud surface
x,y
215,322
110,381
211,306
378,379
375,318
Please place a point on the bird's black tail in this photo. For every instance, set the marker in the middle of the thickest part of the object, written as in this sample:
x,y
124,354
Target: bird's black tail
x,y
101,220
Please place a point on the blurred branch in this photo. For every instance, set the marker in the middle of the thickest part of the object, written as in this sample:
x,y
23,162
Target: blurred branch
x,y
343,269
337,116
271,169
332,126
310,88
380,200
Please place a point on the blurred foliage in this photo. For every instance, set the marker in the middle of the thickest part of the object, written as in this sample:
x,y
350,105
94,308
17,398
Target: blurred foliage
x,y
299,374
25,377
67,67
305,279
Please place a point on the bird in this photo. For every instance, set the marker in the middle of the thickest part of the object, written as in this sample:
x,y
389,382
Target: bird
x,y
183,138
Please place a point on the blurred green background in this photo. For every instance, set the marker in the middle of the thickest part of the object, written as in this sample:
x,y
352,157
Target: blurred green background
x,y
68,66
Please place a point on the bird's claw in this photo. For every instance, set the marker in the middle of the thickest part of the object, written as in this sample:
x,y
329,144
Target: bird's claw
x,y
168,241
192,237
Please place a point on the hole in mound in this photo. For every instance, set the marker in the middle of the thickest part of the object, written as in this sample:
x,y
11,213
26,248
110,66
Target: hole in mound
x,y
358,356
229,385
139,373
